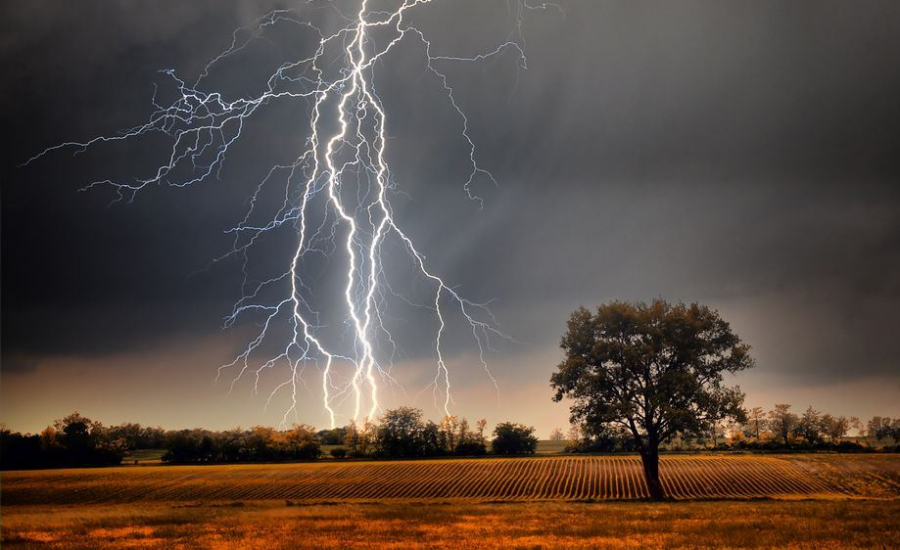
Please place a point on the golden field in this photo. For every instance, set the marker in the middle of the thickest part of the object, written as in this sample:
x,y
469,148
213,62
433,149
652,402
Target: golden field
x,y
767,524
801,501
580,478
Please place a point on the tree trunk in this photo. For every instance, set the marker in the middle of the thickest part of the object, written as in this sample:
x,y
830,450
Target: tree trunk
x,y
650,460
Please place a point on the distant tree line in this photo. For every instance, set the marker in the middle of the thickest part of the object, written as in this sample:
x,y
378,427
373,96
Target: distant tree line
x,y
258,444
403,433
775,430
71,441
76,441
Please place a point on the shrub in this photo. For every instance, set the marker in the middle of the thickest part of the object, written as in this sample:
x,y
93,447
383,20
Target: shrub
x,y
340,452
845,446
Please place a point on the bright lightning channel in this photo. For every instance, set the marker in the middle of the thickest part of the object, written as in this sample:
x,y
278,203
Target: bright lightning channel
x,y
346,137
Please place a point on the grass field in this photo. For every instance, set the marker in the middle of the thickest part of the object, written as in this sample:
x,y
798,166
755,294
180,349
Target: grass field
x,y
144,456
815,501
547,447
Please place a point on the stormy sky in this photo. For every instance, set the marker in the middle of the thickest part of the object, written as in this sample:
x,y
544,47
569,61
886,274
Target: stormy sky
x,y
744,155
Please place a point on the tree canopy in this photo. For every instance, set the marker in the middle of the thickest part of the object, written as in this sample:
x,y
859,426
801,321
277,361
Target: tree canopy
x,y
514,439
655,369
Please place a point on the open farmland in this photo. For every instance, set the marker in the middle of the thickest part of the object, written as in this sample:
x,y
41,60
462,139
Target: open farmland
x,y
265,526
583,478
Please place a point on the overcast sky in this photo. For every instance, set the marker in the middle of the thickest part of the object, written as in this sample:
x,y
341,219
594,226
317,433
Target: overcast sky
x,y
744,155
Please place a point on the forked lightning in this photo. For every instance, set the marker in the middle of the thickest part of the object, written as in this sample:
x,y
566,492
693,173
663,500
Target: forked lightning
x,y
336,197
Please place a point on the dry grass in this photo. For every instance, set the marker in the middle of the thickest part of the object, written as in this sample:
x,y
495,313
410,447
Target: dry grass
x,y
796,524
486,503
469,480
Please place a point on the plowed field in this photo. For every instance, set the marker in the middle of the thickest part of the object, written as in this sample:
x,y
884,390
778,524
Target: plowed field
x,y
473,480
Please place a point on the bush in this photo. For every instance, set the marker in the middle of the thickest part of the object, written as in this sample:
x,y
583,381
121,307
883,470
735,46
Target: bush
x,y
849,446
513,439
340,452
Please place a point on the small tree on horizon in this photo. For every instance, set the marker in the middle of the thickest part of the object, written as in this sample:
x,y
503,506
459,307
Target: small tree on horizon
x,y
479,430
810,426
883,428
836,427
654,370
783,422
756,420
449,436
575,433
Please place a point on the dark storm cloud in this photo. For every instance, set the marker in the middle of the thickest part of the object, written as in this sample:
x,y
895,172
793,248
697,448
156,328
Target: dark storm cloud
x,y
17,363
737,154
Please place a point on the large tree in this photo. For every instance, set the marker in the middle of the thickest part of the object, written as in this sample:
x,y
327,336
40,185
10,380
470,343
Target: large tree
x,y
655,370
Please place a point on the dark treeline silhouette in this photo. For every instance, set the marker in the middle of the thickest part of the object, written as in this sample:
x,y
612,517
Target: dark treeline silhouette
x,y
72,441
778,429
259,444
79,441
402,433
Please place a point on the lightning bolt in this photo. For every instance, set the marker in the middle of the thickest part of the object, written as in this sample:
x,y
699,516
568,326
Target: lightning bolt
x,y
346,141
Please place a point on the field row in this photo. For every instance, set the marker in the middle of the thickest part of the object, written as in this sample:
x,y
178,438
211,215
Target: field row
x,y
522,479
